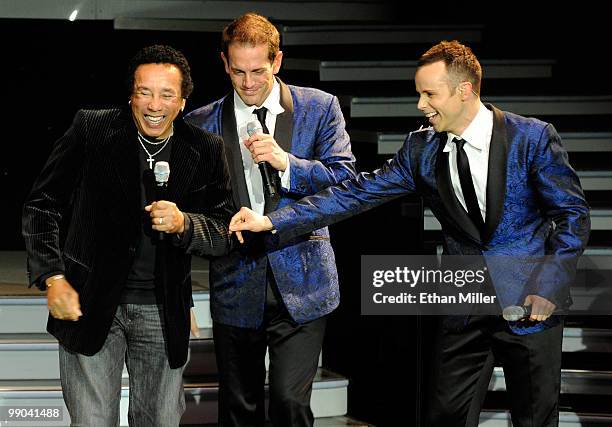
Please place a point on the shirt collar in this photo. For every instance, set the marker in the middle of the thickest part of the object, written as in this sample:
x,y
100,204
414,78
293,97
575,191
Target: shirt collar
x,y
478,132
272,103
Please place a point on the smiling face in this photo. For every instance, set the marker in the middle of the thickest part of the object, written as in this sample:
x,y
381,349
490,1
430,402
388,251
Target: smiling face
x,y
156,99
448,109
251,71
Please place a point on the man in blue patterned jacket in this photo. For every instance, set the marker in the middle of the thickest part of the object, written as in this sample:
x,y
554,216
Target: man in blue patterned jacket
x,y
265,295
501,186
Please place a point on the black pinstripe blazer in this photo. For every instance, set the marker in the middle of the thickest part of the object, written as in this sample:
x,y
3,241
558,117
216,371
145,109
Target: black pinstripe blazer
x,y
92,174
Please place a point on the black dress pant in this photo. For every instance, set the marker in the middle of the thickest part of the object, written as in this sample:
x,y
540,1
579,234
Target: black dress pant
x,y
464,361
294,354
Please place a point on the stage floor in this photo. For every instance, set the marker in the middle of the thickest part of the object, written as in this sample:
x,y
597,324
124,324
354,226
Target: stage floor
x,y
13,277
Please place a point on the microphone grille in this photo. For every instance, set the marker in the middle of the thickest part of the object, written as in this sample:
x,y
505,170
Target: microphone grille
x,y
513,313
161,171
254,127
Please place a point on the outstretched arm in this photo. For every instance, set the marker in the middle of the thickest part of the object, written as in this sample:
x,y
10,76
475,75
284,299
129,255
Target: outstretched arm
x,y
335,203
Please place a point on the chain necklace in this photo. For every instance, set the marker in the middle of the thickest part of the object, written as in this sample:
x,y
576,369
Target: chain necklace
x,y
142,138
150,160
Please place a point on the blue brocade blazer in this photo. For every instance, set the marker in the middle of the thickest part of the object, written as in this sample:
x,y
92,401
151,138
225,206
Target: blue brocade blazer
x,y
535,207
312,131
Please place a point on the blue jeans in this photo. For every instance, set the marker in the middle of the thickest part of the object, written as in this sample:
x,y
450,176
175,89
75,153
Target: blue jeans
x,y
91,385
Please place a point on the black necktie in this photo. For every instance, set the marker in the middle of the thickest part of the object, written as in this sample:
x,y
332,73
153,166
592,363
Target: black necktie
x,y
261,116
467,185
271,175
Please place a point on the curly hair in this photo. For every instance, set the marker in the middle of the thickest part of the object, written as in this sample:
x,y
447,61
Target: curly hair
x,y
460,61
161,54
252,29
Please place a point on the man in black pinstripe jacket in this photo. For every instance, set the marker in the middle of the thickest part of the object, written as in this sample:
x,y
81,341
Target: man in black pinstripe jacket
x,y
119,286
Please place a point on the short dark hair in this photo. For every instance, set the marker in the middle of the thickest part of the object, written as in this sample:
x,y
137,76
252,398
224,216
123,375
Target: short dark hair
x,y
251,29
161,54
460,61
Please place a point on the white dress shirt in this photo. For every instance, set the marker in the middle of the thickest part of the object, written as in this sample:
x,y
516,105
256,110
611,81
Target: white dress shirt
x,y
244,114
477,138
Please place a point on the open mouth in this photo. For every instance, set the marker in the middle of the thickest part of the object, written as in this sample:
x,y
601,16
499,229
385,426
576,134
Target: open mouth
x,y
154,120
431,115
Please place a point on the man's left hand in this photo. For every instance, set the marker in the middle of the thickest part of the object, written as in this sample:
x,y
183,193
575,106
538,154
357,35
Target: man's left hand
x,y
264,148
166,217
541,308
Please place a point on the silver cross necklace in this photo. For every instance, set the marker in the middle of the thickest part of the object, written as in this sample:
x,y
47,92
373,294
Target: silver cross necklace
x,y
163,143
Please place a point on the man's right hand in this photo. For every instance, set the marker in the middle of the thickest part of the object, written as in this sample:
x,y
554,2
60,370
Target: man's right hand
x,y
63,301
248,220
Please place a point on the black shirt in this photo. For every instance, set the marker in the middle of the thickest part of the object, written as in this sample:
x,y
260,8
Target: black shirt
x,y
140,284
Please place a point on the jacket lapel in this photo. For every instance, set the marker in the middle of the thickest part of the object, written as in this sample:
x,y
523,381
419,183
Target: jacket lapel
x,y
233,155
496,177
457,216
283,132
123,159
183,161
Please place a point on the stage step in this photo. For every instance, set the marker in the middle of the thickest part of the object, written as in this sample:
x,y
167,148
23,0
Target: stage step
x,y
573,381
405,70
213,16
185,14
340,422
322,422
601,219
502,418
28,356
587,141
536,106
588,340
574,142
329,398
34,357
23,315
603,253
28,315
359,34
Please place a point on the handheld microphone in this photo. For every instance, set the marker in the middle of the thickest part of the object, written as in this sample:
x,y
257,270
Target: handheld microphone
x,y
265,168
514,313
162,173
